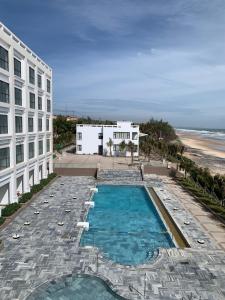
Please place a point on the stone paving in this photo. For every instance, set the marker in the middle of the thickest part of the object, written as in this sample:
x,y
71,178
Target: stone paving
x,y
46,251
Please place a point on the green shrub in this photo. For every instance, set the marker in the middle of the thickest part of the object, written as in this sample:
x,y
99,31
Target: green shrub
x,y
25,197
217,209
2,220
10,209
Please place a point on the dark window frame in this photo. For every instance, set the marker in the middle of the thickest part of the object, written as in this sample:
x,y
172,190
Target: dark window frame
x,y
4,158
32,100
19,153
4,124
17,67
4,58
18,124
31,75
4,91
18,97
31,150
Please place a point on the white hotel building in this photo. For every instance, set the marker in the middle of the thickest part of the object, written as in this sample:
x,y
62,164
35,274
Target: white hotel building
x,y
93,139
25,118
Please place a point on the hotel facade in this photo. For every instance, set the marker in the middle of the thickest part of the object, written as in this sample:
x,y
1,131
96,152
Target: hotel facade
x,y
25,118
93,139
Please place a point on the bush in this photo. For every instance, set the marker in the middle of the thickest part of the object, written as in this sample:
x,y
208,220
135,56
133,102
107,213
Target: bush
x,y
25,197
2,220
217,209
10,209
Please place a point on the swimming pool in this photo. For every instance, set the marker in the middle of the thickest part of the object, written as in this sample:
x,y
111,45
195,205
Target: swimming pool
x,y
77,287
125,225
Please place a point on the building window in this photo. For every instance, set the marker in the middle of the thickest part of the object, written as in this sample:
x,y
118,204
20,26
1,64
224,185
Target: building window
x,y
48,86
18,96
32,100
40,103
134,135
79,135
100,136
30,124
4,158
17,67
47,124
121,135
116,147
31,150
39,81
3,124
40,124
31,75
48,145
19,153
79,147
19,124
4,58
4,92
40,147
48,105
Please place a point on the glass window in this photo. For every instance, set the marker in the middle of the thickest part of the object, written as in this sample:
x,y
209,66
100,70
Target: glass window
x,y
40,124
116,147
79,147
39,103
48,86
48,105
134,135
4,91
3,124
47,124
121,135
39,81
18,96
4,58
19,124
79,135
31,75
32,100
30,124
100,136
19,153
31,150
17,67
4,158
40,147
48,145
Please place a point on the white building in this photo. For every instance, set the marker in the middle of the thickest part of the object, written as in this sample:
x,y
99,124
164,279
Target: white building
x,y
25,118
93,139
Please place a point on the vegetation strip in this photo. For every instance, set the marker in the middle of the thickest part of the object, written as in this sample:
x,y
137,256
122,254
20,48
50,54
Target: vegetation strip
x,y
11,208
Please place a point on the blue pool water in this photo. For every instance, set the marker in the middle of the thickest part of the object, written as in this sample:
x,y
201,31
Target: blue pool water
x,y
125,225
79,287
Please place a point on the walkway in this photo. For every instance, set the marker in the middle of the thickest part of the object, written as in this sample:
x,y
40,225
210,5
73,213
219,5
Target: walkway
x,y
46,250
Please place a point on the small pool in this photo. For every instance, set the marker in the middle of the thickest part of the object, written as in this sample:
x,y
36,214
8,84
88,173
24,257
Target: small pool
x,y
125,225
79,287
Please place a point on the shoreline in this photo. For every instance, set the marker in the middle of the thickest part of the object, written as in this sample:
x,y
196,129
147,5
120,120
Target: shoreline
x,y
204,151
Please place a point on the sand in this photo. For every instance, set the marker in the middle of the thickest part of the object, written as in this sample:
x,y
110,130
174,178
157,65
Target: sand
x,y
204,151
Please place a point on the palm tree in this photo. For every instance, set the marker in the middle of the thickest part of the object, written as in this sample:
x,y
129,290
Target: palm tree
x,y
110,144
123,146
131,148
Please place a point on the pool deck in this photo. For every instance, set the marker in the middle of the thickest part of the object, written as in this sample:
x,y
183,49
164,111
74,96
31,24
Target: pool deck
x,y
46,251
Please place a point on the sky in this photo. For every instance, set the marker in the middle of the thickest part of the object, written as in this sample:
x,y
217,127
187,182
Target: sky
x,y
130,59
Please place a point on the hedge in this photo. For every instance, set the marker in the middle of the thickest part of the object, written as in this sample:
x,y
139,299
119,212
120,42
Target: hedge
x,y
2,220
203,197
10,209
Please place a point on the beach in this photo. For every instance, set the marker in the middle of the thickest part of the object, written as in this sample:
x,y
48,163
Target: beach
x,y
205,147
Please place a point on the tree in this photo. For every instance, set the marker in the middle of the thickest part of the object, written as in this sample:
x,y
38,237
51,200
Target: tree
x,y
110,144
123,147
131,148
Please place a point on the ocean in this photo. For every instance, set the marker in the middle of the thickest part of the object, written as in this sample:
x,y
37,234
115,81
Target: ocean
x,y
212,134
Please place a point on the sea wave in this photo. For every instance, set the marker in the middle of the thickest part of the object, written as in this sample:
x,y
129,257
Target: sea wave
x,y
215,134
